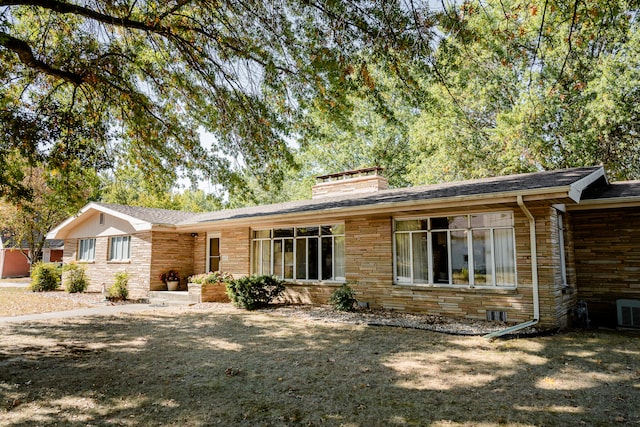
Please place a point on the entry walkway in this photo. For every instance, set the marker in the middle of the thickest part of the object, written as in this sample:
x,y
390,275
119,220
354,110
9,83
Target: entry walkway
x,y
103,310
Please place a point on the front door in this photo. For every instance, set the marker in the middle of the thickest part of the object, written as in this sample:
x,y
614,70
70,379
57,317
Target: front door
x,y
213,254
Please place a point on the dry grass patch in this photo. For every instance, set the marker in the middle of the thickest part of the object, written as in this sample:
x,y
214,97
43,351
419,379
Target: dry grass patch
x,y
224,366
20,301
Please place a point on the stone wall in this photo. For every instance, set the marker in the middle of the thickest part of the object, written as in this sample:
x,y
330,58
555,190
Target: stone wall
x,y
101,272
369,264
235,251
607,259
171,251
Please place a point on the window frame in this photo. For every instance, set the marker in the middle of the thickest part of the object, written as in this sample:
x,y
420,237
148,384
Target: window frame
x,y
431,232
92,249
113,245
289,268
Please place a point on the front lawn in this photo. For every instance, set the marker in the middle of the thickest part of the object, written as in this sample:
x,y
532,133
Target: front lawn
x,y
225,366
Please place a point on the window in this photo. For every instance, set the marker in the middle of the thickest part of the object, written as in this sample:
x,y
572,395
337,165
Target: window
x,y
214,254
467,250
120,248
561,240
300,253
86,249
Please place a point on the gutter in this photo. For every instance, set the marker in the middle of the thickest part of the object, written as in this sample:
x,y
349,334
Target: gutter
x,y
534,277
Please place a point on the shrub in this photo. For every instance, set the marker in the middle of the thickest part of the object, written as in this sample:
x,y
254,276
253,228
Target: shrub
x,y
45,276
119,291
75,278
211,277
343,298
253,292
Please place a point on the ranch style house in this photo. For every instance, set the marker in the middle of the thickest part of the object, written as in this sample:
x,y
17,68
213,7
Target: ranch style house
x,y
528,248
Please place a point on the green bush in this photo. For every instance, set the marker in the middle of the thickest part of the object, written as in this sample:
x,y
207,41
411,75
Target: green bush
x,y
45,276
119,291
343,298
75,279
253,292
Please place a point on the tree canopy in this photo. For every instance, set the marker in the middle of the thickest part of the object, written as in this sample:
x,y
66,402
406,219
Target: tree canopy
x,y
468,89
102,80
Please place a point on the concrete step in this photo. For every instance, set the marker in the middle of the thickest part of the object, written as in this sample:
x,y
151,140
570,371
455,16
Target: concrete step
x,y
164,298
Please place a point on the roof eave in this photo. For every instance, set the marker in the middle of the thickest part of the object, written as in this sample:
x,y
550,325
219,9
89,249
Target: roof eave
x,y
553,195
62,230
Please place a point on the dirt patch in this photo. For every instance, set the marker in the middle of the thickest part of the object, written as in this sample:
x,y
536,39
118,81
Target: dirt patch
x,y
218,365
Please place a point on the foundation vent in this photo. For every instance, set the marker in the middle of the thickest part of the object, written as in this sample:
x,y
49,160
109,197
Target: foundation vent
x,y
628,313
496,316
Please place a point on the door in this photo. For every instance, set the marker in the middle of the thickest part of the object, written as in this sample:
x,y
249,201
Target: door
x,y
213,254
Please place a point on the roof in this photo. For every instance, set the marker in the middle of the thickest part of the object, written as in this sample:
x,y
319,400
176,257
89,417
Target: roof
x,y
140,218
154,216
566,185
572,181
617,194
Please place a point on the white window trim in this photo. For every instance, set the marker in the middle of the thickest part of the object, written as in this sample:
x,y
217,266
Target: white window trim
x,y
79,253
471,284
294,238
110,253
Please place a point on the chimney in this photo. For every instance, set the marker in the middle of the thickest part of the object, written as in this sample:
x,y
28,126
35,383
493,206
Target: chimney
x,y
359,181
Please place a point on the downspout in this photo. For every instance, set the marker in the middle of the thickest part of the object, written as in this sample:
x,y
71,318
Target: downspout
x,y
534,277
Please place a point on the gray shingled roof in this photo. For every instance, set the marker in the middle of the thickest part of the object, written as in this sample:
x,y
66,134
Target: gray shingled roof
x,y
151,215
495,185
616,190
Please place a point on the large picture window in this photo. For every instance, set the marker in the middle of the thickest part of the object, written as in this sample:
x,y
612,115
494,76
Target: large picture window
x,y
87,250
120,248
466,250
300,253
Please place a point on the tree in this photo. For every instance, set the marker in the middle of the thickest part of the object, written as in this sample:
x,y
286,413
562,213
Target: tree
x,y
54,197
139,79
526,86
128,186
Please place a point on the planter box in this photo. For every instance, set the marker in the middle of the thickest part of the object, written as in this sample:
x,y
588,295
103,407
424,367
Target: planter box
x,y
208,293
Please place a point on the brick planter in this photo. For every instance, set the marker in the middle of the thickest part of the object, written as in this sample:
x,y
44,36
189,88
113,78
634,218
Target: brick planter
x,y
208,293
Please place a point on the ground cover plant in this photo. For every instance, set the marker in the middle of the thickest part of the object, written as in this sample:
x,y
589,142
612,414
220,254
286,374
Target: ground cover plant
x,y
214,364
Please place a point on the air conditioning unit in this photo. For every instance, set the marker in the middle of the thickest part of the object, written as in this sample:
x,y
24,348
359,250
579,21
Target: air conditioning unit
x,y
628,312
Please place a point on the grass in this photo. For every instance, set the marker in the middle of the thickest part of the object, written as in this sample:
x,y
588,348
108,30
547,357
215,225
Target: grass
x,y
19,301
225,366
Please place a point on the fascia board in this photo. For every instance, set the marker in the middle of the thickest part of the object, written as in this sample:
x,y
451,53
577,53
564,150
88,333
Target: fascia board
x,y
608,203
579,186
61,231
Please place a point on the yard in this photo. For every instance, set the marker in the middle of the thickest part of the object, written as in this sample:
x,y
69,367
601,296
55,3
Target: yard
x,y
218,365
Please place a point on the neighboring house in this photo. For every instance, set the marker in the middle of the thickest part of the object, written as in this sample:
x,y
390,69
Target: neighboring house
x,y
518,248
13,260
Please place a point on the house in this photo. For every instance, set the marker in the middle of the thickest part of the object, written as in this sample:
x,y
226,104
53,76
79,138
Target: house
x,y
522,248
13,260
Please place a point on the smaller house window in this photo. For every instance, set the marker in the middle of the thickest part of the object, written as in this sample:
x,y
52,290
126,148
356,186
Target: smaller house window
x,y
120,248
86,249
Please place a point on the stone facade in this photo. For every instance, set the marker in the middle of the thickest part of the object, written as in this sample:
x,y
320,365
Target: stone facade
x,y
607,259
101,271
369,270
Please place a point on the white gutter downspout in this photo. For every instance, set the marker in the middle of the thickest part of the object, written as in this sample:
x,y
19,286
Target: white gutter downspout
x,y
534,277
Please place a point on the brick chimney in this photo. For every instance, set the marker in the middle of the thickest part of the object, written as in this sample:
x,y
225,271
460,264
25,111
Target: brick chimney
x,y
359,181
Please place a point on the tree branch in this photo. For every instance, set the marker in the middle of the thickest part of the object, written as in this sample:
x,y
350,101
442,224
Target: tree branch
x,y
25,53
